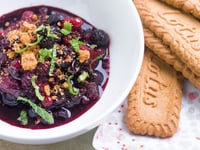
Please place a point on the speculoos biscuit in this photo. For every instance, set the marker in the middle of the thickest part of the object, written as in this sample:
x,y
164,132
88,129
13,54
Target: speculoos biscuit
x,y
189,6
154,102
164,52
176,29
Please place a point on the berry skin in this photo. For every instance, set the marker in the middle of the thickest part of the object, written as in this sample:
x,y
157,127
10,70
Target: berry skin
x,y
100,38
54,18
27,15
47,102
76,22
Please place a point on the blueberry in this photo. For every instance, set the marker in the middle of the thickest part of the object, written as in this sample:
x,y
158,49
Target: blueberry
x,y
100,38
64,113
97,77
64,66
9,100
32,113
92,90
47,43
54,18
72,101
16,74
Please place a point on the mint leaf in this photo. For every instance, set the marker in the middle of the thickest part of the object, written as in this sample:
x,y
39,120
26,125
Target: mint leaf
x,y
67,28
36,87
96,59
72,90
53,60
39,39
44,53
83,76
49,34
93,46
40,28
23,118
75,43
39,110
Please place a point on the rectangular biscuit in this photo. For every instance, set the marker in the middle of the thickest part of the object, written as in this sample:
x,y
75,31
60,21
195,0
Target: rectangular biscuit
x,y
154,102
164,52
176,29
189,6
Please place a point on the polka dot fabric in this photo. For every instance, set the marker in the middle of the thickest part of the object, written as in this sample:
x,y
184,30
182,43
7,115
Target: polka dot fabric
x,y
113,134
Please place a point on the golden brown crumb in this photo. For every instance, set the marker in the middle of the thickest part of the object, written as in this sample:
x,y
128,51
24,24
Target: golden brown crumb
x,y
68,59
11,54
51,79
28,26
17,46
83,55
28,60
13,36
47,90
35,49
34,17
25,38
61,76
64,85
56,89
54,97
58,61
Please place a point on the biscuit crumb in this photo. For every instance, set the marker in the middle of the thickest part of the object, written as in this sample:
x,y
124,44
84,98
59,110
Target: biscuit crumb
x,y
28,60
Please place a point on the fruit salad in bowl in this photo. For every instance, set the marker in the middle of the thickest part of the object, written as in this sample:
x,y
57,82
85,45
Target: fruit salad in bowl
x,y
65,66
54,66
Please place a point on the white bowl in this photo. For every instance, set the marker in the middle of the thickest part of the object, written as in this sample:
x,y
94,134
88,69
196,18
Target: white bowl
x,y
121,21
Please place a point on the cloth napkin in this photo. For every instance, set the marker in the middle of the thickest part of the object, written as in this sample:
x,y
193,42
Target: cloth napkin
x,y
113,134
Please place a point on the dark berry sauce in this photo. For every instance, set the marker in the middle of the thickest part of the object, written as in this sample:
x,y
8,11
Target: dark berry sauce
x,y
53,60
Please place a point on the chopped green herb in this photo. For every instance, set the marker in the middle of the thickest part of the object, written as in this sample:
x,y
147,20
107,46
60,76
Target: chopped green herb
x,y
23,118
39,39
36,87
53,60
83,76
93,46
40,28
72,90
96,59
67,28
44,53
39,110
49,34
75,43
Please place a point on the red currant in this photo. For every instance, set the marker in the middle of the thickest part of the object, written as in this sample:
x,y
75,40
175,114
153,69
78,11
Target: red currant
x,y
77,22
47,101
